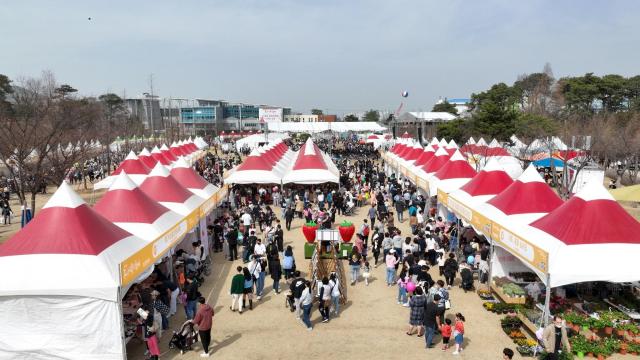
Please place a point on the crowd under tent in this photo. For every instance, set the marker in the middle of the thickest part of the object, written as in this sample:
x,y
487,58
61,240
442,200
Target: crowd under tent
x,y
65,301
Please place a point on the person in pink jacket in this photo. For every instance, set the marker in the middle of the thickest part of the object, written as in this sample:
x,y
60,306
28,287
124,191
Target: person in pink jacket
x,y
391,260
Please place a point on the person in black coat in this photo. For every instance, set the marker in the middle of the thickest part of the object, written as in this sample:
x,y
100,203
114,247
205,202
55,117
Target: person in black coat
x,y
275,271
279,238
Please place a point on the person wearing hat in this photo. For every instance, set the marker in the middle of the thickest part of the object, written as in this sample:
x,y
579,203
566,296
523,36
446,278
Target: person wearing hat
x,y
391,261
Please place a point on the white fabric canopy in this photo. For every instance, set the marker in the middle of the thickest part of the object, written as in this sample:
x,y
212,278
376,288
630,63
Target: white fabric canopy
x,y
252,141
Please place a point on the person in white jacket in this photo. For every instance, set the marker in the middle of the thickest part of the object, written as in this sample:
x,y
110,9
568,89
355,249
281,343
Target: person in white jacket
x,y
307,301
335,293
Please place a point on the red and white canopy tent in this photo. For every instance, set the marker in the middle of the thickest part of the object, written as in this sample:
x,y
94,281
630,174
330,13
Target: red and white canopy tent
x,y
489,182
65,266
141,215
160,157
406,135
452,175
187,177
255,169
165,189
132,165
588,238
412,154
425,156
147,159
451,147
440,157
526,200
164,149
310,167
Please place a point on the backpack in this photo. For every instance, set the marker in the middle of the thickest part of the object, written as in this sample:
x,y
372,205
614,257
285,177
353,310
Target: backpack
x,y
365,231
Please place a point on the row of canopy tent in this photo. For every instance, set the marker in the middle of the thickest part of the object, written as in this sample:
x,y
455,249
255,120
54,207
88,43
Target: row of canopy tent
x,y
275,163
590,237
76,262
316,127
139,166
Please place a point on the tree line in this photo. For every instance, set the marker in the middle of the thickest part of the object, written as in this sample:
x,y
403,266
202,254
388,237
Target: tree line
x,y
603,109
46,129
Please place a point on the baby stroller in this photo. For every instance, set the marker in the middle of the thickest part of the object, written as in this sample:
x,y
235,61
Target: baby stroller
x,y
349,208
467,279
184,338
289,301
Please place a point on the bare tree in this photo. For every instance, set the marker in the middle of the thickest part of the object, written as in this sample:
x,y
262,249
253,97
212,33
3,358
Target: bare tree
x,y
42,116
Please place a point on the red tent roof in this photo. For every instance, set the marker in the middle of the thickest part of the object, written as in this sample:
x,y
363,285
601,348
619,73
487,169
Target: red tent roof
x,y
159,156
146,158
414,153
309,157
591,217
426,155
528,194
406,135
126,203
440,157
65,225
456,168
132,165
187,177
254,162
373,137
162,187
167,153
491,180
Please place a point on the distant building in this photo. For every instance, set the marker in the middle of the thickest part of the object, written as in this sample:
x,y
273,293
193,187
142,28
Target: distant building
x,y
147,109
461,104
327,118
202,116
423,123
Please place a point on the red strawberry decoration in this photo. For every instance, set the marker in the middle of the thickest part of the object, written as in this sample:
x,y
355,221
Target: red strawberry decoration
x,y
347,230
309,231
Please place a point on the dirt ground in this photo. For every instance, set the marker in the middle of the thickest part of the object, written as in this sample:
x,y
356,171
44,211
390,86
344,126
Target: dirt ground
x,y
370,326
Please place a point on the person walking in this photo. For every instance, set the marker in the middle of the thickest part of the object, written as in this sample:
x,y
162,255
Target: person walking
x,y
325,299
248,288
431,320
416,317
372,215
275,271
192,297
335,293
391,261
6,214
203,320
288,263
232,242
554,336
450,269
288,217
306,299
237,290
354,264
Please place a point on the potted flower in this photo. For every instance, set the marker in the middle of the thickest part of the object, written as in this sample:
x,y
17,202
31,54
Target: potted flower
x,y
607,325
579,345
346,230
309,231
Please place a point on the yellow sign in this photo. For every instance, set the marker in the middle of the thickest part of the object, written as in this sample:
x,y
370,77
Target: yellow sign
x,y
133,266
422,184
521,248
443,198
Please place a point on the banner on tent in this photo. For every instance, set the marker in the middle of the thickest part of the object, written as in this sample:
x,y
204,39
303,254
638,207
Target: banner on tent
x,y
132,267
479,222
422,184
443,198
522,248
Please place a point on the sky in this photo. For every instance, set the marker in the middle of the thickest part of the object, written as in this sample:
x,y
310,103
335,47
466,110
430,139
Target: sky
x,y
341,56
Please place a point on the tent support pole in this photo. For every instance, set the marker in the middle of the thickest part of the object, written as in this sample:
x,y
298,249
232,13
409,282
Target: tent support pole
x,y
547,300
492,250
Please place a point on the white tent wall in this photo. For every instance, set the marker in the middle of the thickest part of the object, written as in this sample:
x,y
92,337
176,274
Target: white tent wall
x,y
60,327
361,126
252,141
